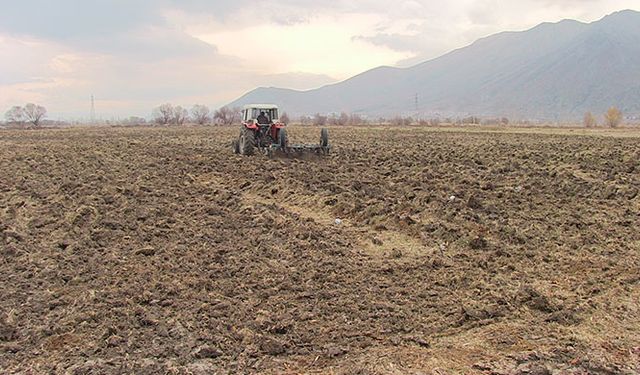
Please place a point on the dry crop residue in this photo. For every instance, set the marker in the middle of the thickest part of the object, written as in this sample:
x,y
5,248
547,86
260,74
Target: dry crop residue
x,y
159,251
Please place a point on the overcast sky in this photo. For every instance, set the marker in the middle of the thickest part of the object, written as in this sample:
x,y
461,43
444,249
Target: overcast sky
x,y
136,54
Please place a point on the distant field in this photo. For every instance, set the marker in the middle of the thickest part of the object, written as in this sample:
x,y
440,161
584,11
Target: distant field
x,y
624,132
157,250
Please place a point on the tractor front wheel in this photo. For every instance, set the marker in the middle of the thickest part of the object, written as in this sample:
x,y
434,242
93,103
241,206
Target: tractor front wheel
x,y
236,146
247,142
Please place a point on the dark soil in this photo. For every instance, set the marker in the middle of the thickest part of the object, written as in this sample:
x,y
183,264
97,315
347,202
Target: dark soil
x,y
160,251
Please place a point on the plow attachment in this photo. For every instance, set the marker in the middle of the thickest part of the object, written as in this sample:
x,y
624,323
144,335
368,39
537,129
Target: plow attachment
x,y
274,142
284,149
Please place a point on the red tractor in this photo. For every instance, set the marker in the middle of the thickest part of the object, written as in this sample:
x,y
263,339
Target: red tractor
x,y
262,130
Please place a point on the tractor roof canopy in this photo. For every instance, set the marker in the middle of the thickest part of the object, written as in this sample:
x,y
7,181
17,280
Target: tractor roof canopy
x,y
252,111
260,106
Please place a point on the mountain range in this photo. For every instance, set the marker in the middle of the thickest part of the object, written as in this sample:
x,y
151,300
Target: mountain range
x,y
554,71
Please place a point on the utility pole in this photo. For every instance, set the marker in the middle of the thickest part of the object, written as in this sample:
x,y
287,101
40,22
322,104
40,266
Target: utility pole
x,y
93,110
416,103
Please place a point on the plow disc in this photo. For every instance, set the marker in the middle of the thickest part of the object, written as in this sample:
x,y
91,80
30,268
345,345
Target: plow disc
x,y
284,149
296,151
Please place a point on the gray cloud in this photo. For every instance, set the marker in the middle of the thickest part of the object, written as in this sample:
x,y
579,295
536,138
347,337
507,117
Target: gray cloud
x,y
130,29
76,19
439,27
135,50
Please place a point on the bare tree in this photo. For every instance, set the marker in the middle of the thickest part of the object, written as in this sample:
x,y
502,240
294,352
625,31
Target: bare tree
x,y
319,120
15,115
589,120
402,121
284,117
180,115
133,120
305,120
34,113
471,120
613,117
163,114
356,119
343,119
332,119
201,114
226,115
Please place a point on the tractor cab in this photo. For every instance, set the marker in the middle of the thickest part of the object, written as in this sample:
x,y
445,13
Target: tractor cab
x,y
260,114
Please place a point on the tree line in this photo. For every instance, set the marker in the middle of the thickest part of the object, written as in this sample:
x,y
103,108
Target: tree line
x,y
168,114
355,119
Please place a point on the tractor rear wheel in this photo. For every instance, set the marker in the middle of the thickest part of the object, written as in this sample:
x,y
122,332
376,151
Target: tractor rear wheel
x,y
324,137
247,142
282,139
324,141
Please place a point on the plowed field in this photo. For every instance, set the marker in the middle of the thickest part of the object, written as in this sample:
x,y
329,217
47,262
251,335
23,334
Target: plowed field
x,y
456,251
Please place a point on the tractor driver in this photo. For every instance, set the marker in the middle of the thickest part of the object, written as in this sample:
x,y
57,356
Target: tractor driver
x,y
263,119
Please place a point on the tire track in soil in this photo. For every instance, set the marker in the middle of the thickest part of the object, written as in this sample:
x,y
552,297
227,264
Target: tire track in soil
x,y
392,267
376,243
402,258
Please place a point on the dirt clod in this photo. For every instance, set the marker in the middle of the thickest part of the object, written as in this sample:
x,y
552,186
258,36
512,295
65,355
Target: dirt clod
x,y
377,241
478,243
146,251
7,331
272,346
206,352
